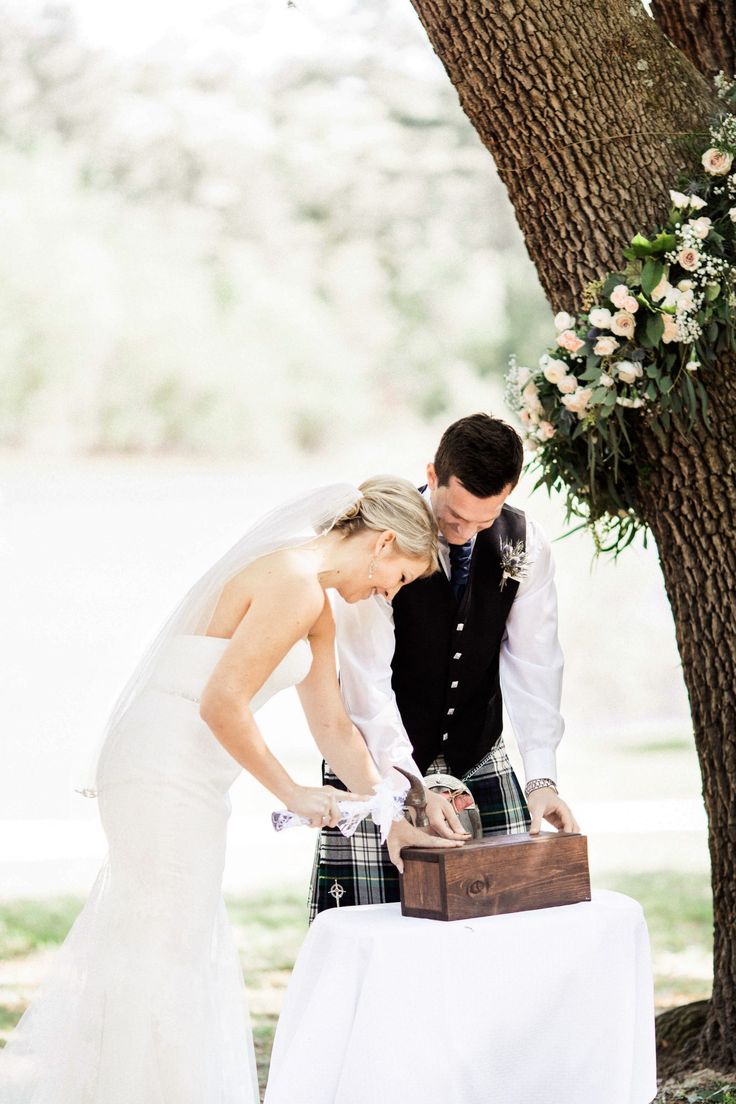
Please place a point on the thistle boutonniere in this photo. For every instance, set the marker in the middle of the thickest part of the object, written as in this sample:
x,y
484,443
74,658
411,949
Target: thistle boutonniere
x,y
515,562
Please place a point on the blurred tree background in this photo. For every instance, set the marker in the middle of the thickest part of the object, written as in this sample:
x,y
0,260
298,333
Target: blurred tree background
x,y
225,250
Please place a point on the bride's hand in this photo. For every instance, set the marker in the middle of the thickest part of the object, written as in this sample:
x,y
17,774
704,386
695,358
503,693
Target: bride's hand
x,y
404,834
319,804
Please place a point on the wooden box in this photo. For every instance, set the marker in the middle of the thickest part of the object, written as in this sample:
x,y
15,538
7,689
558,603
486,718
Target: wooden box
x,y
495,874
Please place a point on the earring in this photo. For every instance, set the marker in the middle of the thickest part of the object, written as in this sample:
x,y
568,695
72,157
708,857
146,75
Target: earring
x,y
371,568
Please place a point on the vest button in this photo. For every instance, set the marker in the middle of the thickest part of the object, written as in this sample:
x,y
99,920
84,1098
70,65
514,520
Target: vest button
x,y
445,735
450,712
457,655
461,626
453,685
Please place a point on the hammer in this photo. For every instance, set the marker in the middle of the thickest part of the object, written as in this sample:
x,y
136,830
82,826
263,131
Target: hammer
x,y
415,798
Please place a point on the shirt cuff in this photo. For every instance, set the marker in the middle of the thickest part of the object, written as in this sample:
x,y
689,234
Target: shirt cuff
x,y
540,763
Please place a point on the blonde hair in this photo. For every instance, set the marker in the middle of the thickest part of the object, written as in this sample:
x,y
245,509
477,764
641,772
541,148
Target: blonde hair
x,y
389,502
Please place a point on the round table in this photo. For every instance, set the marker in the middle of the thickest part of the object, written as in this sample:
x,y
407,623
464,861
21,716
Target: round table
x,y
553,1005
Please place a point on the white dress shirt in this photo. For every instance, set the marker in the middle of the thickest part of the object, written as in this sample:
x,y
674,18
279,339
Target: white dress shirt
x,y
530,663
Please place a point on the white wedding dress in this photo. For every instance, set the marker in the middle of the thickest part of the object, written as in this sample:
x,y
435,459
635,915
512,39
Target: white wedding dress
x,y
145,1003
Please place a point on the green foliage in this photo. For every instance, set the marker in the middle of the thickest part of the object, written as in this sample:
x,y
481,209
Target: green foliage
x,y
28,926
213,252
637,357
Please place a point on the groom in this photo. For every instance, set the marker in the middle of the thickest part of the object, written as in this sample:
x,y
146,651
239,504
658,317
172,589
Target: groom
x,y
422,678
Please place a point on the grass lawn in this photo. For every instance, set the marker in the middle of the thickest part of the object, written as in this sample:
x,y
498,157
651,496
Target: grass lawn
x,y
270,928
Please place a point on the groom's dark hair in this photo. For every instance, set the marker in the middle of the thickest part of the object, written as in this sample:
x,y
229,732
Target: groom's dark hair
x,y
482,452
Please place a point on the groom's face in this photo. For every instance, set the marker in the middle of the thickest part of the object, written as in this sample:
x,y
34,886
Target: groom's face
x,y
460,514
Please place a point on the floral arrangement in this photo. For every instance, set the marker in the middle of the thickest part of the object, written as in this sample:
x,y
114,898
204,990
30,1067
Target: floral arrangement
x,y
638,351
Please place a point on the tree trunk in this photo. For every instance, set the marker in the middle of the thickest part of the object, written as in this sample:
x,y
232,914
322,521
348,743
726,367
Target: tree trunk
x,y
691,509
705,31
587,109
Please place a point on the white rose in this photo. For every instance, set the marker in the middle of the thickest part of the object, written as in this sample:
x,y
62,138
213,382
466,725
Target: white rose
x,y
692,365
684,202
578,401
604,346
686,303
700,226
679,200
685,285
732,214
564,321
567,385
605,380
600,317
628,370
555,370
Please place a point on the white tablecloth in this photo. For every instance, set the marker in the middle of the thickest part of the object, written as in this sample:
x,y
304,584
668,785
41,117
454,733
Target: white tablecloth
x,y
553,1006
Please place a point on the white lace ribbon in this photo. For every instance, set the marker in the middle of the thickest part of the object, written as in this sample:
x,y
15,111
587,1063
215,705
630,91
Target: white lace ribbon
x,y
386,806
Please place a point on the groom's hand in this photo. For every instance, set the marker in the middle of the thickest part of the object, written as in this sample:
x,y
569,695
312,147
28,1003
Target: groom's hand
x,y
404,834
545,804
443,820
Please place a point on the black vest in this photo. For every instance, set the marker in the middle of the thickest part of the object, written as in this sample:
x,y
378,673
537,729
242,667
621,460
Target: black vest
x,y
445,664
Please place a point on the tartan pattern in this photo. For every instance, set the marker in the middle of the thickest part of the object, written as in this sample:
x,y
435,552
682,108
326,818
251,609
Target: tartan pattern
x,y
360,866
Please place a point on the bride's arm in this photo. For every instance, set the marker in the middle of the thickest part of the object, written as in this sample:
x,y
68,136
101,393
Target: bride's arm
x,y
339,741
283,608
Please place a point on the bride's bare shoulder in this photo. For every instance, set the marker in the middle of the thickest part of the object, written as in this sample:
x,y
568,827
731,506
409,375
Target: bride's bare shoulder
x,y
287,565
280,578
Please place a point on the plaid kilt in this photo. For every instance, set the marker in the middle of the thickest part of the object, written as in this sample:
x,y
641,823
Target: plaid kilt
x,y
358,871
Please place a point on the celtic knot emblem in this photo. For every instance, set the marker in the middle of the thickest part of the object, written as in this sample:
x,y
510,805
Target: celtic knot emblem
x,y
337,891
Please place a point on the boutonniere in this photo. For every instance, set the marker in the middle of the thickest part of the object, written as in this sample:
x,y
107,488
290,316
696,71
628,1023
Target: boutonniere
x,y
515,562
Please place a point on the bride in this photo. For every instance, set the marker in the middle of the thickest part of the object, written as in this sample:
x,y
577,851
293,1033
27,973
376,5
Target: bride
x,y
146,1002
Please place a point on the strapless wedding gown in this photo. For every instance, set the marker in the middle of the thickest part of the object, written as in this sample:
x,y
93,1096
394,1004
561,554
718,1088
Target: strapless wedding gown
x,y
145,1003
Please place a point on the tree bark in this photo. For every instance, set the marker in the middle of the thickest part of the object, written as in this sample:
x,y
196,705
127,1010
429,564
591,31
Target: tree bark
x,y
587,109
705,31
691,510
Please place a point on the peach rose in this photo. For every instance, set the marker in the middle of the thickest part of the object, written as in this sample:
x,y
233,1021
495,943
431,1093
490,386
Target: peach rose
x,y
623,324
604,380
716,162
555,370
530,395
577,403
671,330
662,289
630,304
570,341
606,345
546,431
689,259
567,385
618,295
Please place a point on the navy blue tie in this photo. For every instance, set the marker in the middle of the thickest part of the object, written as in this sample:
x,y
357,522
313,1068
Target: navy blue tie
x,y
460,566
